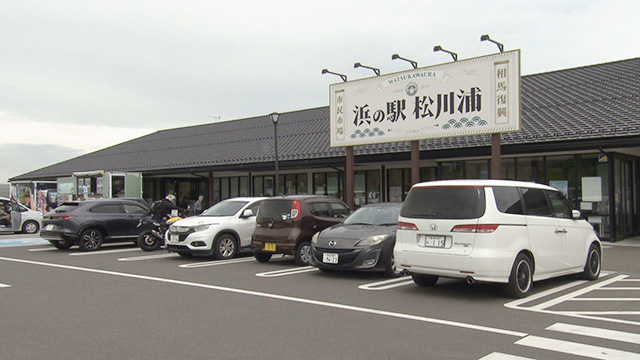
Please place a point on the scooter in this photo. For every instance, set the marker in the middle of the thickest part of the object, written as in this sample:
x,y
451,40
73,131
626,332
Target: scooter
x,y
152,237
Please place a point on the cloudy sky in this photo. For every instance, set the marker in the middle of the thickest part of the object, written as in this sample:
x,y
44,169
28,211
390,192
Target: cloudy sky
x,y
80,75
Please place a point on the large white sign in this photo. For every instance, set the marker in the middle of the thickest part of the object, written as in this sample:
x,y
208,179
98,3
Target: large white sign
x,y
467,97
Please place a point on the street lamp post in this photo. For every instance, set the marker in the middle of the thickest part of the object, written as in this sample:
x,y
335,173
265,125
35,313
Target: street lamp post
x,y
274,118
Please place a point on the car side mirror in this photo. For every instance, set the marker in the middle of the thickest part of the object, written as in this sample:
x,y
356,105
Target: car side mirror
x,y
247,213
576,214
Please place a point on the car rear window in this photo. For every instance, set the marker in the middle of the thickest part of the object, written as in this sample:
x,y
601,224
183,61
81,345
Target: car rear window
x,y
274,210
66,208
444,202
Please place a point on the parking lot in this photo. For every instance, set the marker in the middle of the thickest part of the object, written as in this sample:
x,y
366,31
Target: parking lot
x,y
121,302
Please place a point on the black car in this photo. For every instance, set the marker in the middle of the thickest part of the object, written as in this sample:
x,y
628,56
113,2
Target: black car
x,y
89,223
364,241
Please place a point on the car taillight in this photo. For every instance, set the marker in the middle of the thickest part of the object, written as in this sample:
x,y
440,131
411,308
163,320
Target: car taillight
x,y
475,228
295,209
406,226
62,217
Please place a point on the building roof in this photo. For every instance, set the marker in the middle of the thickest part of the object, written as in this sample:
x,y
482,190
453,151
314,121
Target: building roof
x,y
594,105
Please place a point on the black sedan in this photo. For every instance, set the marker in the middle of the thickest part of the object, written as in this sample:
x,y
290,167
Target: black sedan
x,y
89,223
364,241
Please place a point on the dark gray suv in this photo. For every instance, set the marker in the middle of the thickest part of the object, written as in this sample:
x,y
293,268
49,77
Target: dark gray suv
x,y
89,223
285,224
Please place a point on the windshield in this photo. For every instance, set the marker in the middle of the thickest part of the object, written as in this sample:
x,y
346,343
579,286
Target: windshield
x,y
224,208
383,215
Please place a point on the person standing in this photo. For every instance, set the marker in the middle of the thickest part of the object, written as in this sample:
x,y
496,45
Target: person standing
x,y
198,206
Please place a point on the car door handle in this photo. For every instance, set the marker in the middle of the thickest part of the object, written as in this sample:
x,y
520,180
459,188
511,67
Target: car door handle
x,y
561,231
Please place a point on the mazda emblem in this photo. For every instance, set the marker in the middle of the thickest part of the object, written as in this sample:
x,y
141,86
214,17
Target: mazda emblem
x,y
332,243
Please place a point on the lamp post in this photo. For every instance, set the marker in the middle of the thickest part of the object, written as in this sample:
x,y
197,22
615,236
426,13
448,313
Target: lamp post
x,y
413,63
375,70
439,48
274,118
487,38
342,76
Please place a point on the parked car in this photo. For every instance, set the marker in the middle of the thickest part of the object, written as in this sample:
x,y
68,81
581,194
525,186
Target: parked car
x,y
286,224
90,223
221,230
15,217
498,231
364,241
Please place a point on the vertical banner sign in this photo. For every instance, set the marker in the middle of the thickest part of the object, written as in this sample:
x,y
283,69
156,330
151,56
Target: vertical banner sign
x,y
467,97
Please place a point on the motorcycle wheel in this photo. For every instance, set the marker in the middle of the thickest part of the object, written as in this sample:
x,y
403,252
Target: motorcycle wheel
x,y
147,241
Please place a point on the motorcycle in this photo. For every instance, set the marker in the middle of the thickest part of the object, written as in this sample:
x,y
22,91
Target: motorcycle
x,y
152,237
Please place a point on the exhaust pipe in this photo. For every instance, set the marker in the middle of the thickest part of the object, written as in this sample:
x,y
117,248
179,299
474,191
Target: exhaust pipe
x,y
470,280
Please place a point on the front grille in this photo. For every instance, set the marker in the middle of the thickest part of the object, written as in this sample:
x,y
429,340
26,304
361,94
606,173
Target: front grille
x,y
177,247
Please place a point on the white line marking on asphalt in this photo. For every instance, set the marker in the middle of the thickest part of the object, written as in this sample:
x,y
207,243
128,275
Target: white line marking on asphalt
x,y
571,296
44,249
215,263
286,272
283,298
4,285
605,299
386,284
148,257
501,356
599,313
596,332
584,350
104,252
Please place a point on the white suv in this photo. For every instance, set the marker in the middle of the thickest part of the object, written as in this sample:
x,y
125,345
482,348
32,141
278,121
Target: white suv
x,y
221,230
499,231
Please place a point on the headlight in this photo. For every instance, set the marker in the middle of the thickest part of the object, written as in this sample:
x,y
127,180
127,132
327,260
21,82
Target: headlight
x,y
202,227
371,240
314,238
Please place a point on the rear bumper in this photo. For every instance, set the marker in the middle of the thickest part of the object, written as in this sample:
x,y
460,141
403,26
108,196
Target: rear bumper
x,y
57,236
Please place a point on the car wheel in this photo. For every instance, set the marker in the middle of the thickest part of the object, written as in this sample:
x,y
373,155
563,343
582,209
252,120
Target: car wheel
x,y
391,269
90,240
61,244
521,278
225,247
30,227
147,241
303,254
424,280
594,263
262,257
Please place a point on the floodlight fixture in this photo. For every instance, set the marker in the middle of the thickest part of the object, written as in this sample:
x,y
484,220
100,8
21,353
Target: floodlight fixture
x,y
413,63
439,48
342,76
375,70
487,38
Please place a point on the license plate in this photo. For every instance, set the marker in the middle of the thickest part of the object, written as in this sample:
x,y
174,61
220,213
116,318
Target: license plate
x,y
433,241
269,247
49,227
174,237
328,258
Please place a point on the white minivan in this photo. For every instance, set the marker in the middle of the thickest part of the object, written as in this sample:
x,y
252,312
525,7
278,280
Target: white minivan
x,y
15,217
498,231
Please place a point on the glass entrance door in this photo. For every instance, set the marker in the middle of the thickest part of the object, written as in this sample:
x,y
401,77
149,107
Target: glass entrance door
x,y
624,196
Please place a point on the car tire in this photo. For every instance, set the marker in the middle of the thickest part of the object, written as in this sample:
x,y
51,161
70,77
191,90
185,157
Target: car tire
x,y
521,278
61,244
90,240
262,257
147,241
391,270
424,280
225,247
303,253
30,227
593,264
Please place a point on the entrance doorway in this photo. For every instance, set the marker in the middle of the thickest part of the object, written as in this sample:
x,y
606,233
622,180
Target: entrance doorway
x,y
625,198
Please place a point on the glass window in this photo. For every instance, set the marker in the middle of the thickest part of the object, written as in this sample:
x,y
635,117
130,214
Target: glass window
x,y
508,169
399,184
319,209
373,186
452,170
290,184
531,169
106,209
444,203
428,174
476,169
224,188
258,189
274,210
320,183
244,186
235,188
560,205
302,184
333,185
536,202
338,210
508,200
562,168
134,209
360,188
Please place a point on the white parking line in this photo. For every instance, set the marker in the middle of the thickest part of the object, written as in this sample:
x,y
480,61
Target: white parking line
x,y
104,252
215,263
386,284
583,350
4,285
596,332
575,294
148,257
286,272
326,304
501,356
44,249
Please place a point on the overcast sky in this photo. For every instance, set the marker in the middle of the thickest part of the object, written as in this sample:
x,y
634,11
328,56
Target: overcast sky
x,y
78,76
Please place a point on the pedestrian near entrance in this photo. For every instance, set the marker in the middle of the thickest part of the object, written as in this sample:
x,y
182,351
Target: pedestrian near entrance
x,y
197,207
